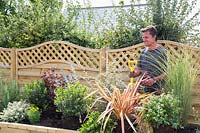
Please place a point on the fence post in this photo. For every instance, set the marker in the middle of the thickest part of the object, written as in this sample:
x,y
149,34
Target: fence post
x,y
13,64
103,61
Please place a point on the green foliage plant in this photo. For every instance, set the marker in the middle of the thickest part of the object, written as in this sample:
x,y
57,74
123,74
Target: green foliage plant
x,y
162,110
15,112
10,91
36,93
71,100
93,125
33,114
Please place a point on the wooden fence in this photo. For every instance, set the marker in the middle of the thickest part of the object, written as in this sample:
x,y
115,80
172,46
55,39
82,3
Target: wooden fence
x,y
27,64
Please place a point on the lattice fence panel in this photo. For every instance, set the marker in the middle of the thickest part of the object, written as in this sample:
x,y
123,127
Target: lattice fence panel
x,y
59,52
177,49
119,58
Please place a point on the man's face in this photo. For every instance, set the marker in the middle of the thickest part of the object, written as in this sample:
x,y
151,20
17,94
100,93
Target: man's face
x,y
148,39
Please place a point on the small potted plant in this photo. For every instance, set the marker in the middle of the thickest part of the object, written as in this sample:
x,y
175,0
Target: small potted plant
x,y
162,113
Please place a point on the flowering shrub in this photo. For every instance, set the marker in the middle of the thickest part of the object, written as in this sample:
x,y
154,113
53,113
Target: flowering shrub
x,y
15,112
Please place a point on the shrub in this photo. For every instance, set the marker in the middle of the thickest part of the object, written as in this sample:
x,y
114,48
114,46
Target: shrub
x,y
33,114
53,80
36,93
93,125
71,100
15,112
10,91
162,110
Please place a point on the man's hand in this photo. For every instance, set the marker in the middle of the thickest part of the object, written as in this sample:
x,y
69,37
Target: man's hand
x,y
136,73
148,81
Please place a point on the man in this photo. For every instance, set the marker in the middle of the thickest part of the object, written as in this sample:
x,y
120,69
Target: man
x,y
152,62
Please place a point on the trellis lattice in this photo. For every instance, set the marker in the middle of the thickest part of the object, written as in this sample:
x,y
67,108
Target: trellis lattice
x,y
177,49
5,57
59,52
119,58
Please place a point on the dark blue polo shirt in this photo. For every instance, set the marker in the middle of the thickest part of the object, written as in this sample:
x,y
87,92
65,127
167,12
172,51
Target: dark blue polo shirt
x,y
154,63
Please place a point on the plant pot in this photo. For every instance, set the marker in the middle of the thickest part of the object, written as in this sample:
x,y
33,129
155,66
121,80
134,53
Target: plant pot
x,y
163,129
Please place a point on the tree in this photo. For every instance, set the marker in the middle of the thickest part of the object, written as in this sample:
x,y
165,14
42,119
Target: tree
x,y
172,19
32,22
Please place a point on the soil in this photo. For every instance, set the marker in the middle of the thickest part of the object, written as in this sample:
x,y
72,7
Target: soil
x,y
55,119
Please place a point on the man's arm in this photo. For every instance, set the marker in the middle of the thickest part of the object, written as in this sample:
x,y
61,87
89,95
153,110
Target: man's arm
x,y
160,77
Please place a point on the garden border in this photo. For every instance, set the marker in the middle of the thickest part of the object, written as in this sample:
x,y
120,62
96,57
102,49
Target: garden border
x,y
25,128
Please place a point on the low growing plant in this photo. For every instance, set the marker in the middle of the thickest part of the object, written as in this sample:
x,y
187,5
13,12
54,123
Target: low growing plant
x,y
92,125
162,110
33,114
71,100
15,112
